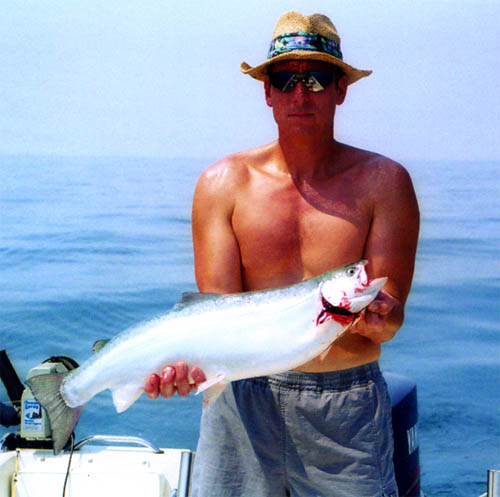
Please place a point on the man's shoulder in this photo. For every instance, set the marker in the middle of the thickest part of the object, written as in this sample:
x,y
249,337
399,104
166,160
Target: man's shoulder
x,y
362,157
374,165
234,170
377,177
389,173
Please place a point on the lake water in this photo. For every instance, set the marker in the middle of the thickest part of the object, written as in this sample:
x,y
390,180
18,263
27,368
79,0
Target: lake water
x,y
90,246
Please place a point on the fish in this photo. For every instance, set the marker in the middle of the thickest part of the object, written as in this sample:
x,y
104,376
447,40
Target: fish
x,y
230,337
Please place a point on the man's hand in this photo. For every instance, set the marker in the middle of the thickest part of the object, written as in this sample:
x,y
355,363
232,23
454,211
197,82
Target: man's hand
x,y
174,379
381,319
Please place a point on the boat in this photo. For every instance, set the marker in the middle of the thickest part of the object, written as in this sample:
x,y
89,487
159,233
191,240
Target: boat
x,y
103,465
99,466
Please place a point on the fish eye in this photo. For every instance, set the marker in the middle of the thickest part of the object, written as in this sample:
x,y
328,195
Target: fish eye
x,y
351,271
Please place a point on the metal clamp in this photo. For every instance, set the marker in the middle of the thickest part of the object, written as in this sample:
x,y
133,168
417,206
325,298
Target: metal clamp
x,y
185,474
493,483
116,439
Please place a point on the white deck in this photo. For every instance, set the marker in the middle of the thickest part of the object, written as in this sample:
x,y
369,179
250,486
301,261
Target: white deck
x,y
97,470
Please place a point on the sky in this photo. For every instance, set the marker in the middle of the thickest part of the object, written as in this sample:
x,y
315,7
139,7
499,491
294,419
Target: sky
x,y
161,78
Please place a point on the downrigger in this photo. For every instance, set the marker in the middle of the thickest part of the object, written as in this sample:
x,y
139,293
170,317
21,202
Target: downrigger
x,y
25,410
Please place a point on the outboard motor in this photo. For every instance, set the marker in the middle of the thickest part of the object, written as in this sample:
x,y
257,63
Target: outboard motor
x,y
403,394
35,429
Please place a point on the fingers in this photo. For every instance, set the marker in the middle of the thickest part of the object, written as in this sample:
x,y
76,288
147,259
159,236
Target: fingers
x,y
374,318
369,325
167,387
198,376
152,386
376,326
380,321
383,304
174,379
182,379
378,307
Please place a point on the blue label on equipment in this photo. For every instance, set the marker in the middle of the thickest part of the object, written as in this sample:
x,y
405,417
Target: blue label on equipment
x,y
32,414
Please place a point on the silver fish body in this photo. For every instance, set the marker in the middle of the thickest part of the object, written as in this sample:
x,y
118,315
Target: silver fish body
x,y
229,337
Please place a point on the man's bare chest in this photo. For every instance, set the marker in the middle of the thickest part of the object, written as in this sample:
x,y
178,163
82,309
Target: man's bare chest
x,y
284,227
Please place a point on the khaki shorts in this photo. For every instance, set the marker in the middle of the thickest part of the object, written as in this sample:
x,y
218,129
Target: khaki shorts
x,y
298,435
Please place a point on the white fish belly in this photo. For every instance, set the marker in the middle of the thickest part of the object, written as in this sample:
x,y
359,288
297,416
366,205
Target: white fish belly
x,y
236,343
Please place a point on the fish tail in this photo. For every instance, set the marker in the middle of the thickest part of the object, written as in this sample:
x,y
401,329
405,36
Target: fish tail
x,y
46,388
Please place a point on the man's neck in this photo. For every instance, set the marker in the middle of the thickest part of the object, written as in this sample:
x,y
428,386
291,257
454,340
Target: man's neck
x,y
308,157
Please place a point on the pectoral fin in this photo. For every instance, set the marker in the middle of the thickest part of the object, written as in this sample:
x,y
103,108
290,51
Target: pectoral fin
x,y
212,389
125,396
323,354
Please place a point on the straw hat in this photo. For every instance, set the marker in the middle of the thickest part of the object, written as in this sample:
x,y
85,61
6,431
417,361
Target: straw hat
x,y
304,37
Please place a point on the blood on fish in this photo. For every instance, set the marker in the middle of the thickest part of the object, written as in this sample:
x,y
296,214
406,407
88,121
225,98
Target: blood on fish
x,y
342,320
345,303
338,318
323,316
333,312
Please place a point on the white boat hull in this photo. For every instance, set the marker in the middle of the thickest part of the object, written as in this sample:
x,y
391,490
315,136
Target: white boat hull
x,y
97,470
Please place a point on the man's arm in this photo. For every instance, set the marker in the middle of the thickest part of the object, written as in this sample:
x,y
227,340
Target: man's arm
x,y
217,258
390,248
217,263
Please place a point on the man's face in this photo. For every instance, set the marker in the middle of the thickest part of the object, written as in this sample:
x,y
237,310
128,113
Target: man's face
x,y
301,111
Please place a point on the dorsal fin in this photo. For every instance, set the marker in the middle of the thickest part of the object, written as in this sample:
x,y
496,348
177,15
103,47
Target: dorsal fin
x,y
99,344
190,298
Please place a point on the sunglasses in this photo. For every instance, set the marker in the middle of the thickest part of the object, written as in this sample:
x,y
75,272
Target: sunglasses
x,y
314,81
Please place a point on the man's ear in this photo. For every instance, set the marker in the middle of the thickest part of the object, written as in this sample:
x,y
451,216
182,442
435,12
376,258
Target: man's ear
x,y
341,89
267,89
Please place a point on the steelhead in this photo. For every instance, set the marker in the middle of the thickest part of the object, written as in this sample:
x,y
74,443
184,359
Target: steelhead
x,y
229,337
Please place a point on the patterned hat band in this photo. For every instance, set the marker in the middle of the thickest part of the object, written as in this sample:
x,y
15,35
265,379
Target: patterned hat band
x,y
303,41
302,37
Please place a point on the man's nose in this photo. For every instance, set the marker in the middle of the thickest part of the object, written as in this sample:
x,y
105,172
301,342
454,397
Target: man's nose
x,y
300,90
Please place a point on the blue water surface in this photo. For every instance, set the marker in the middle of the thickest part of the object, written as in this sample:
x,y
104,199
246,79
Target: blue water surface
x,y
91,246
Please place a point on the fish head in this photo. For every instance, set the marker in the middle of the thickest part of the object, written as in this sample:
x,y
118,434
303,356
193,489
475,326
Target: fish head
x,y
346,292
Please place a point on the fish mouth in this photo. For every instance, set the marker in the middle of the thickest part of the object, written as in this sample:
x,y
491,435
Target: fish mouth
x,y
335,309
336,313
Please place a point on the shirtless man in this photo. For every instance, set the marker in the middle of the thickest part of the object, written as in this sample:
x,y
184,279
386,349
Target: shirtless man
x,y
279,214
